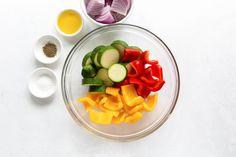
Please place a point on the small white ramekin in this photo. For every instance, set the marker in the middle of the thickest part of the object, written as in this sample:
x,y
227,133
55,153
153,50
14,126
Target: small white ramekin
x,y
83,6
38,50
42,83
69,35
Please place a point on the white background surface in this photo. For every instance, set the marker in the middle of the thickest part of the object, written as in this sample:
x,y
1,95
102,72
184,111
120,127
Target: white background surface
x,y
202,36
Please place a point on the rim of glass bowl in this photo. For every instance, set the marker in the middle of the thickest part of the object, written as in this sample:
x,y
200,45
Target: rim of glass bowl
x,y
132,137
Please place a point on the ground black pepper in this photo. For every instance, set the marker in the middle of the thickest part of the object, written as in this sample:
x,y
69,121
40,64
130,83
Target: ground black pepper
x,y
50,50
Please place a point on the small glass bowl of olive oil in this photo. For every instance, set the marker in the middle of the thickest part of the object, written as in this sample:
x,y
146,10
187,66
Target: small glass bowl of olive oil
x,y
69,23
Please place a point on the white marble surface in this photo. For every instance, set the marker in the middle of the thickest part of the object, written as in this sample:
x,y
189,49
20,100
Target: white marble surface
x,y
202,36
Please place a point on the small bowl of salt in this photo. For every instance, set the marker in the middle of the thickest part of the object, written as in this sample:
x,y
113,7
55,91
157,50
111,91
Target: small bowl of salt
x,y
42,83
48,49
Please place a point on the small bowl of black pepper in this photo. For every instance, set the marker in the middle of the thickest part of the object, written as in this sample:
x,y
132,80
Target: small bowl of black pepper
x,y
48,49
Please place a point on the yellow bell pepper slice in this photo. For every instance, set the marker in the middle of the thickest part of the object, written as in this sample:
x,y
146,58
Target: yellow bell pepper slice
x,y
119,119
93,95
87,107
113,104
100,117
100,97
103,101
151,103
128,92
135,109
125,106
130,95
112,91
133,118
114,113
87,102
136,101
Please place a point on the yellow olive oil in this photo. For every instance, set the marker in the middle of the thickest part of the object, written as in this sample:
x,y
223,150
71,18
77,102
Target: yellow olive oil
x,y
69,22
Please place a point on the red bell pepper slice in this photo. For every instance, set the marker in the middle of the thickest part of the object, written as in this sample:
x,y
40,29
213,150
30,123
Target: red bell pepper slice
x,y
147,77
137,68
149,82
122,83
157,86
144,92
153,77
156,71
140,87
145,58
130,55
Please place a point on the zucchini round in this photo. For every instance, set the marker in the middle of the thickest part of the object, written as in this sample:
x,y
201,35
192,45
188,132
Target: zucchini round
x,y
135,47
88,71
92,82
117,72
94,52
108,56
87,59
120,46
102,74
97,89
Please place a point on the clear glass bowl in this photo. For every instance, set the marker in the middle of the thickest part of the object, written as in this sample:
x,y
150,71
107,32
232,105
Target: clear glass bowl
x,y
136,36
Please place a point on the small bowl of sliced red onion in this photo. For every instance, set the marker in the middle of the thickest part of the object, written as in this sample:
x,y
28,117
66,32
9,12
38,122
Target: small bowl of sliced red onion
x,y
105,12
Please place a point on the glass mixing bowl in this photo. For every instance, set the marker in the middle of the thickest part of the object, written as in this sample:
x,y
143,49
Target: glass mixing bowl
x,y
135,36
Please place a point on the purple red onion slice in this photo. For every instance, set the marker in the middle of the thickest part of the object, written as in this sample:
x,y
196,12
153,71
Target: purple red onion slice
x,y
108,11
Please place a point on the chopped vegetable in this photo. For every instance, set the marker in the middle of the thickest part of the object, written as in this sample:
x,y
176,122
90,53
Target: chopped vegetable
x,y
102,74
151,103
142,90
135,109
122,83
108,11
113,91
88,103
125,106
106,17
158,86
105,10
130,55
102,101
135,47
114,113
108,56
88,71
120,46
130,95
117,17
156,71
100,117
119,119
113,104
135,101
117,72
138,68
98,65
108,2
145,58
93,95
92,82
134,118
87,59
94,7
94,55
148,78
100,89
121,6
